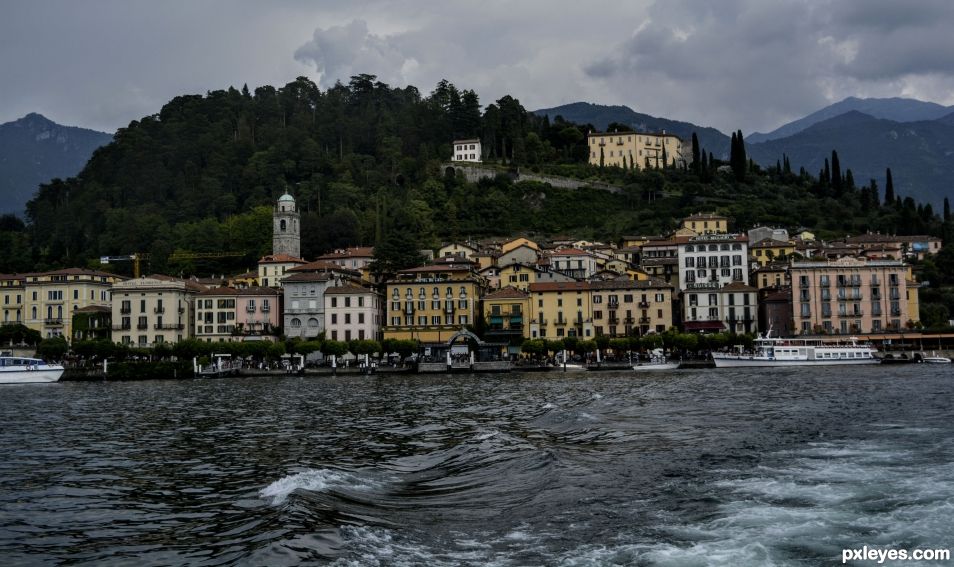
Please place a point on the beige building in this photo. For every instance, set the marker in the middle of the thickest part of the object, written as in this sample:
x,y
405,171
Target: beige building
x,y
11,292
49,298
851,295
637,150
560,309
152,310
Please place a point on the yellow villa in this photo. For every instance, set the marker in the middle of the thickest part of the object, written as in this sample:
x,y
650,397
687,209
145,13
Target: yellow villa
x,y
638,150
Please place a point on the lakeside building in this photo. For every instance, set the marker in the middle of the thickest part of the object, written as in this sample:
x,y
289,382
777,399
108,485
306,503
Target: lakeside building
x,y
152,310
851,295
560,309
226,314
11,286
505,312
639,150
431,303
92,323
49,298
712,274
631,307
775,312
353,312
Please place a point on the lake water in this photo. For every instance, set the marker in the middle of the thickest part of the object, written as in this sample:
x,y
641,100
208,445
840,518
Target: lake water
x,y
709,467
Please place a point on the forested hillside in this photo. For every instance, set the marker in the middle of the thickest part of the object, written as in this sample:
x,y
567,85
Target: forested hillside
x,y
364,161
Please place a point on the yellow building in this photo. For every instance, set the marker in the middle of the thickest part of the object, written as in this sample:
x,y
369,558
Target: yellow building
x,y
516,243
638,150
49,298
706,223
505,314
431,303
768,250
560,309
11,292
771,276
625,307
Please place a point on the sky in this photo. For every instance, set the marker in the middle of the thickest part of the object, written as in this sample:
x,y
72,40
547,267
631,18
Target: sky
x,y
733,64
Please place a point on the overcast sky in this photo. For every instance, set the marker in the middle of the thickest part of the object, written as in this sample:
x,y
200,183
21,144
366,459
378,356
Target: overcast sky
x,y
732,64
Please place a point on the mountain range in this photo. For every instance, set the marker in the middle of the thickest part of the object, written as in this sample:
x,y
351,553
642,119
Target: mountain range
x,y
913,138
34,150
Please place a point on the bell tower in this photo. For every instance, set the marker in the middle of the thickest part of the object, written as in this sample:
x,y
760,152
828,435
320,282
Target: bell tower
x,y
286,234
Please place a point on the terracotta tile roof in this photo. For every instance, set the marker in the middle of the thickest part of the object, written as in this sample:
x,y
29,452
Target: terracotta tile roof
x,y
651,283
75,272
508,292
93,309
737,286
307,277
349,289
559,286
455,267
355,252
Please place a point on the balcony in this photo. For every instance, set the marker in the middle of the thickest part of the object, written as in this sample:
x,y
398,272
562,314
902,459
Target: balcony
x,y
628,321
613,321
159,310
125,310
644,304
266,308
644,321
561,322
250,309
542,322
169,327
53,322
142,326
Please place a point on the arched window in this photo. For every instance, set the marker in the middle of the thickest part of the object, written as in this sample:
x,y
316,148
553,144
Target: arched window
x,y
283,225
296,322
313,322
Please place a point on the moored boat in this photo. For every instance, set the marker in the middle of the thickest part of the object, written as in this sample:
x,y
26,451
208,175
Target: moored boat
x,y
775,351
21,370
935,359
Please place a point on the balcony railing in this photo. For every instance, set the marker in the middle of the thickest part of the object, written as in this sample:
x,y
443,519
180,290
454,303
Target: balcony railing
x,y
125,310
159,310
266,308
561,322
644,304
644,320
169,327
53,321
142,326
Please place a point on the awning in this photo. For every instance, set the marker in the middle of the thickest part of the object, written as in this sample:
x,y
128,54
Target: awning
x,y
703,325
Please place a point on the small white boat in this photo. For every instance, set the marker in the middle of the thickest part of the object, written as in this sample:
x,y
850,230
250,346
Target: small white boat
x,y
656,365
20,370
934,359
657,361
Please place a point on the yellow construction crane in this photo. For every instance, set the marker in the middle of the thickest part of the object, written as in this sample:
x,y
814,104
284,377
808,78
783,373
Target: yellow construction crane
x,y
138,257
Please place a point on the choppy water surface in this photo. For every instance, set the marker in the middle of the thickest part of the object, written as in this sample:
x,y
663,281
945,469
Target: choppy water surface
x,y
718,467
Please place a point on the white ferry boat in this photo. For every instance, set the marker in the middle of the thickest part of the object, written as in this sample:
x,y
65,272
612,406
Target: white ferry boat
x,y
776,351
20,370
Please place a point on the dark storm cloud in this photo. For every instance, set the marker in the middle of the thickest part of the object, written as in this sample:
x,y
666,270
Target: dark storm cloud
x,y
747,64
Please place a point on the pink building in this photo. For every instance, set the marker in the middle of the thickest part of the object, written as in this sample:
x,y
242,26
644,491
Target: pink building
x,y
851,295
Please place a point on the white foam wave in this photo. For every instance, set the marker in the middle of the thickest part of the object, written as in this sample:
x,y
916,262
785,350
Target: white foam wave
x,y
314,480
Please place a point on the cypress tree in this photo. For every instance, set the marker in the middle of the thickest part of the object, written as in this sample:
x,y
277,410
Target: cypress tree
x,y
835,173
947,210
733,150
849,180
696,165
875,199
888,188
602,157
826,174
